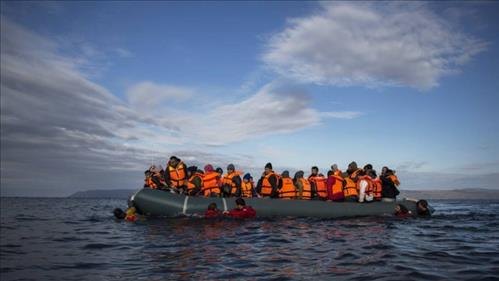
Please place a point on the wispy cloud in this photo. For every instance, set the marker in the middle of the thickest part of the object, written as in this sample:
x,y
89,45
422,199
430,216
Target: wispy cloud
x,y
342,114
370,44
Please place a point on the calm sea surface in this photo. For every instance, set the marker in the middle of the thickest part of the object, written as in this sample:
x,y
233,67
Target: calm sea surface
x,y
78,239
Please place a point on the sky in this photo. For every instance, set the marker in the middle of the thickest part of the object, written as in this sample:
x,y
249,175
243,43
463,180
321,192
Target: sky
x,y
93,93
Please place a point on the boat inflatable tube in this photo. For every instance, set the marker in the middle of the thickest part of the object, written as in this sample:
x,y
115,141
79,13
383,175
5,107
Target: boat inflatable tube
x,y
152,202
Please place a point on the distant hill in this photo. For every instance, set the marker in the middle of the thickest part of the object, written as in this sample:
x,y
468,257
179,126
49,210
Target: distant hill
x,y
104,193
417,194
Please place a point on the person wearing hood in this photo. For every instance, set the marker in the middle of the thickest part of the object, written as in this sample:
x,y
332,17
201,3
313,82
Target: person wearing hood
x,y
269,183
231,182
247,186
195,182
176,174
389,184
210,186
303,187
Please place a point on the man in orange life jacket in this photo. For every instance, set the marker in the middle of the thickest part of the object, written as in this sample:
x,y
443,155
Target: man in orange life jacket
x,y
318,183
268,184
210,182
303,187
176,174
195,182
288,188
231,183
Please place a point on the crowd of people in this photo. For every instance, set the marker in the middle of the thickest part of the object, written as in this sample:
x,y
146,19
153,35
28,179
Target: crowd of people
x,y
353,185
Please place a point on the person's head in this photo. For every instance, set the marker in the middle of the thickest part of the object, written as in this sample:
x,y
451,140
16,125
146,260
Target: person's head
x,y
399,208
368,167
352,167
240,203
422,205
315,170
299,174
174,161
334,167
330,173
268,168
372,174
191,170
247,177
208,168
119,214
219,170
383,170
230,168
285,174
212,206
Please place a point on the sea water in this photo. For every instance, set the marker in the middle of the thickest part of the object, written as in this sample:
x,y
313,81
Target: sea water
x,y
78,239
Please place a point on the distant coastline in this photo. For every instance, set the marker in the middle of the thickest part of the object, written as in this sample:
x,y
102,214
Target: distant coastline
x,y
471,194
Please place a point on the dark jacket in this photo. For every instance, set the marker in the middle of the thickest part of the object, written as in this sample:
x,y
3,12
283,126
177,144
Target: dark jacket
x,y
389,190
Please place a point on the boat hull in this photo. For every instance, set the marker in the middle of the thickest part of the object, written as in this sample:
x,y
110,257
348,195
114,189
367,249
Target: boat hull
x,y
163,203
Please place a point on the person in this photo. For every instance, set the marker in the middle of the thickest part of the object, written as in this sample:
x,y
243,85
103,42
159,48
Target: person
x,y
268,184
195,182
241,211
350,191
288,189
210,182
154,178
247,188
220,172
176,174
365,187
119,214
389,183
212,212
318,183
422,208
334,186
303,187
231,183
377,186
401,211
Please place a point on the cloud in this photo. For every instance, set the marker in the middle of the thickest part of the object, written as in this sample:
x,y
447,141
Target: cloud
x,y
148,95
342,114
370,44
61,132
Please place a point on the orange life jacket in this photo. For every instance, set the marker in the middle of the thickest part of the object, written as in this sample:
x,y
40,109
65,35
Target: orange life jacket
x,y
369,187
177,175
307,189
394,179
377,188
338,185
150,183
266,186
247,189
227,180
350,188
288,189
210,183
338,173
190,184
320,185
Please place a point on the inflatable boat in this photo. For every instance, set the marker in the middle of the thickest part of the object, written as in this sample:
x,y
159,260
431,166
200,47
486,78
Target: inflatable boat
x,y
151,202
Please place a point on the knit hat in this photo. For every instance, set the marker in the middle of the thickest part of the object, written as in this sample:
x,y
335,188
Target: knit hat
x,y
268,165
219,170
285,174
247,176
231,167
208,168
192,169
